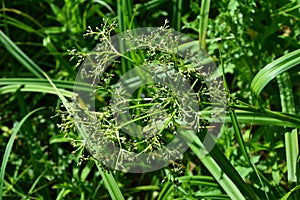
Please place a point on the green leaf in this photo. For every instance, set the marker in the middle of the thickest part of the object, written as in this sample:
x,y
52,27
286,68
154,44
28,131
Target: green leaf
x,y
292,152
9,148
20,56
30,65
110,184
220,168
34,82
291,138
287,195
286,93
269,72
204,12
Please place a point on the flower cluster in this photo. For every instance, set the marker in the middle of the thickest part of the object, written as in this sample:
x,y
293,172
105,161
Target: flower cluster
x,y
139,112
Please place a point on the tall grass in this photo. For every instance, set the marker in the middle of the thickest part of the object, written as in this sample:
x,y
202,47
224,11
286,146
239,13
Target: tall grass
x,y
255,162
9,148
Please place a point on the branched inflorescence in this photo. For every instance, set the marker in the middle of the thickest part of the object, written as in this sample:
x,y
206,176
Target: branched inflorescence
x,y
144,108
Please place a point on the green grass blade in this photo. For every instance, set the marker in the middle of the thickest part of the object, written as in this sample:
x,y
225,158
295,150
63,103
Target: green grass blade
x,y
105,4
86,171
166,190
221,169
270,71
125,15
16,191
238,135
63,193
22,14
260,119
9,148
286,93
22,26
204,12
291,138
143,188
198,180
292,152
177,9
20,56
23,107
124,8
221,177
237,130
289,118
234,120
31,190
287,195
36,81
29,64
35,88
110,184
240,140
150,5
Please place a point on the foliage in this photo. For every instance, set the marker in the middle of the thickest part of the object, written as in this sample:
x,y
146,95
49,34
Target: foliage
x,y
255,43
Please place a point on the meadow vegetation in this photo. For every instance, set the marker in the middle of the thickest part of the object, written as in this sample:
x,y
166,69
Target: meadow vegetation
x,y
255,45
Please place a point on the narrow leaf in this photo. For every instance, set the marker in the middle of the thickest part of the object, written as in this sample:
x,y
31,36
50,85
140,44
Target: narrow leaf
x,y
9,148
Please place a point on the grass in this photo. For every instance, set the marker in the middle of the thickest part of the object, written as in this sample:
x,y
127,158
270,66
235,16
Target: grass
x,y
9,148
257,154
